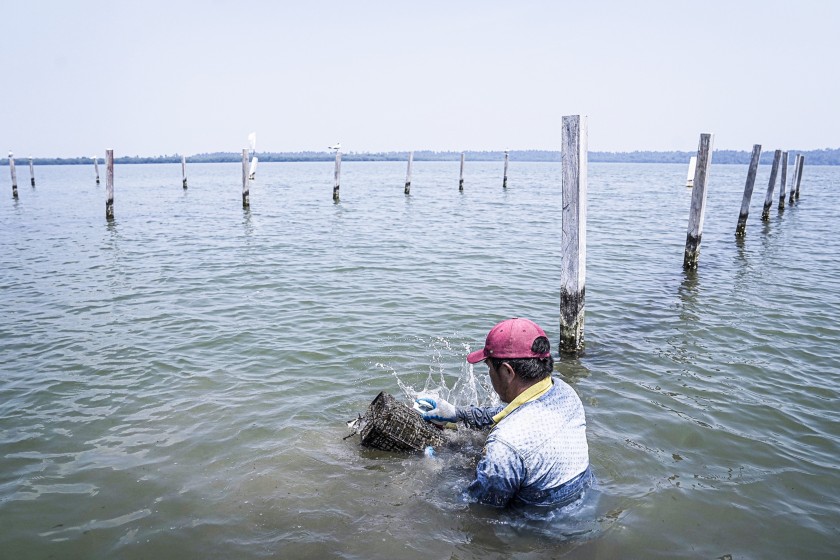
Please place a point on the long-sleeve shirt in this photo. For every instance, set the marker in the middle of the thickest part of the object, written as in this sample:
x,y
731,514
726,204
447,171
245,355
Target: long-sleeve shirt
x,y
536,455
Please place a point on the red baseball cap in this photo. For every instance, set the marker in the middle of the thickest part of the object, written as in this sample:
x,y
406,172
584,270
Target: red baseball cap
x,y
511,338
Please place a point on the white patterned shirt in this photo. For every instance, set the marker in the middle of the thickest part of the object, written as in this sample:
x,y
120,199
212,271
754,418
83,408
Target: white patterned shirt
x,y
533,452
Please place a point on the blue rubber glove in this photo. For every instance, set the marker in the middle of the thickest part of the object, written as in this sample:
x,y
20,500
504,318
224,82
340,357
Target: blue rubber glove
x,y
436,410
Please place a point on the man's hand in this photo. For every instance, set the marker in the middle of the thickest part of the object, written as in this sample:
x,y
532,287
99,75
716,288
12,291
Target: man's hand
x,y
436,410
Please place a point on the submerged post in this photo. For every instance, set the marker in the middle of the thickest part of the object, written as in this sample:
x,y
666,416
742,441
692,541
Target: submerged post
x,y
184,170
337,184
504,178
768,200
795,178
246,194
573,233
783,182
31,171
698,202
461,180
799,174
408,173
14,174
109,184
96,168
741,228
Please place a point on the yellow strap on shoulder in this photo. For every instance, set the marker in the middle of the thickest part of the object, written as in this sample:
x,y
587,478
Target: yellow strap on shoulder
x,y
533,392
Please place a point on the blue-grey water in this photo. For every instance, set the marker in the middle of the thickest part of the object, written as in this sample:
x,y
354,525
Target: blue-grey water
x,y
176,383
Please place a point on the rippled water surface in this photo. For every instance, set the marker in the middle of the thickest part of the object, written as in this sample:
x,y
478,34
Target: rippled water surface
x,y
176,383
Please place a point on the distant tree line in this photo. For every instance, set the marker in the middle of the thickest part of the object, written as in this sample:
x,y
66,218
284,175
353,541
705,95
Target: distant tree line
x,y
812,157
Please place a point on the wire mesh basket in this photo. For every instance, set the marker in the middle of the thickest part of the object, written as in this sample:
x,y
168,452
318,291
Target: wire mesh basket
x,y
390,425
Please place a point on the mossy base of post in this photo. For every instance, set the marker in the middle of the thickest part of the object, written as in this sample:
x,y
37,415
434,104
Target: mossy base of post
x,y
571,322
692,252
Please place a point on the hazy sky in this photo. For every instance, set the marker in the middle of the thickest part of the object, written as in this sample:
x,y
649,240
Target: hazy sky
x,y
161,77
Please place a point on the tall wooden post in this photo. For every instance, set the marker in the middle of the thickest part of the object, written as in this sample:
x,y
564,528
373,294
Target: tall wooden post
x,y
109,184
799,175
246,187
408,173
768,200
31,171
14,174
96,168
573,233
504,177
184,170
698,202
337,183
741,228
461,180
783,182
795,178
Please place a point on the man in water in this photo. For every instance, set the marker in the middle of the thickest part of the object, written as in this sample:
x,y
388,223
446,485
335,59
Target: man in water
x,y
536,452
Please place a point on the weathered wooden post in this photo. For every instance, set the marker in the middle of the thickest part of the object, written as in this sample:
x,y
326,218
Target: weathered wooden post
x,y
741,228
337,184
31,171
768,200
408,173
795,178
184,170
504,177
109,184
783,182
14,174
96,168
461,180
573,233
698,202
799,175
246,194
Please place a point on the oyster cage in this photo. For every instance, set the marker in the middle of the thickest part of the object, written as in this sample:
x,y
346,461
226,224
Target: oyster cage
x,y
390,425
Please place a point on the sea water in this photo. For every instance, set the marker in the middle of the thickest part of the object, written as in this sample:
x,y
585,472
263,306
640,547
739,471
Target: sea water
x,y
176,382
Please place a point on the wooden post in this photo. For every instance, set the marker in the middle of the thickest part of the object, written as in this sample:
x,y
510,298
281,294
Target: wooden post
x,y
109,184
698,202
246,194
799,175
504,177
573,233
96,168
741,228
783,182
14,174
337,184
31,171
768,200
184,170
795,178
408,173
461,180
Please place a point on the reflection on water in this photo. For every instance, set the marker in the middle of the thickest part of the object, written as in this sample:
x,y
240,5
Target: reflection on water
x,y
177,382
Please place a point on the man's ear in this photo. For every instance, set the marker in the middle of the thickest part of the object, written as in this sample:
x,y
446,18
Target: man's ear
x,y
507,372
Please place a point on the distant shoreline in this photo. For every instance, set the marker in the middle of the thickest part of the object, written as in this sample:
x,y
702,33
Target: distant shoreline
x,y
812,157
